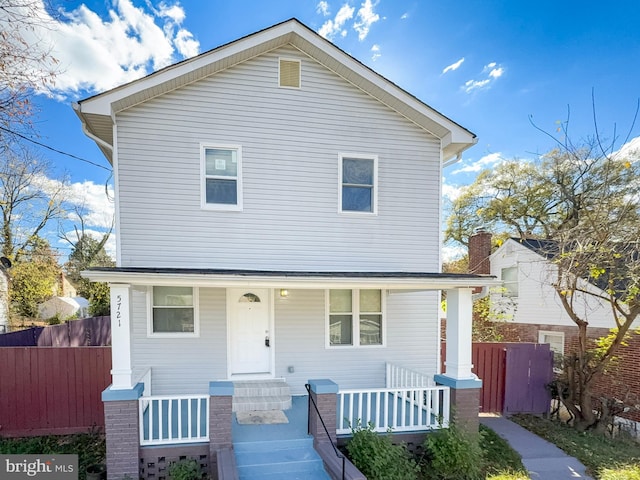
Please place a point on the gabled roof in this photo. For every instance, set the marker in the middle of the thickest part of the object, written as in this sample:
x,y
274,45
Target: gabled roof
x,y
545,248
97,113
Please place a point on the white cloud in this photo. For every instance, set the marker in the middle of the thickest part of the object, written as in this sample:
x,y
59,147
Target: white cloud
x,y
450,253
451,192
453,66
492,71
366,18
331,28
629,151
323,8
93,200
404,16
375,50
484,162
496,72
95,53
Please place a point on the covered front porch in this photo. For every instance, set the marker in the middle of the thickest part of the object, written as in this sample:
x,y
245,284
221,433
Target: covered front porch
x,y
409,395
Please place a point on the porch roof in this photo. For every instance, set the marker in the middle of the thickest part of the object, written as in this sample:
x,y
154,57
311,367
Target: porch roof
x,y
208,277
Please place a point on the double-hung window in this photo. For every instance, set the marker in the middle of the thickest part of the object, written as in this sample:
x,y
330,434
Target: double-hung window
x,y
221,177
509,278
355,317
173,311
358,183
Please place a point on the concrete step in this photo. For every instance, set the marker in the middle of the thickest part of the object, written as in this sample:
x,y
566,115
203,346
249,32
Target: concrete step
x,y
251,395
249,404
282,459
256,388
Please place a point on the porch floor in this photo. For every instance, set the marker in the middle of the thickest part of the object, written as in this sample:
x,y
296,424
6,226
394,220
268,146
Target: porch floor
x,y
296,428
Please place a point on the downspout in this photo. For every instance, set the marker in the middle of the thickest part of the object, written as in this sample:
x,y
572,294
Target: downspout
x,y
451,162
85,130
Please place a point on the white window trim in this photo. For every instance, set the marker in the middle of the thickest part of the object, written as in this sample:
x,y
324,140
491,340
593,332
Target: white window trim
x,y
374,200
299,62
203,178
355,321
542,333
196,317
515,267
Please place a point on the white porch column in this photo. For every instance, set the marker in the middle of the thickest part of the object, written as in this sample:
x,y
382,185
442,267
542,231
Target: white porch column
x,y
121,372
458,364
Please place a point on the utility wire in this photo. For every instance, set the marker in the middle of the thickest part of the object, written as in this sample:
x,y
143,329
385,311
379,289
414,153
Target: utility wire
x,y
55,150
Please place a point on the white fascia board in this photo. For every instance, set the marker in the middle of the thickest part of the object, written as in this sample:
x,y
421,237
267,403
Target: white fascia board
x,y
283,281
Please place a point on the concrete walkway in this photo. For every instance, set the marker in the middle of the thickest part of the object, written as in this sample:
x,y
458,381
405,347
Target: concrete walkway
x,y
543,460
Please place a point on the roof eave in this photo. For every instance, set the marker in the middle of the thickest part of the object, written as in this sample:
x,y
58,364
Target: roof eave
x,y
282,280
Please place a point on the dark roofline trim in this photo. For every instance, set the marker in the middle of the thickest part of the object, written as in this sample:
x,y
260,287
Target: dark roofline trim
x,y
288,273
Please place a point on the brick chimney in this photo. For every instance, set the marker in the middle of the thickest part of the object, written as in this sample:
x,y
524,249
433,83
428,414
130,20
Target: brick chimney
x,y
479,251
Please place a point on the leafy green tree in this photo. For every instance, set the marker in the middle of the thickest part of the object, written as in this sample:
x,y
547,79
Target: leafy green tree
x,y
89,252
33,278
585,198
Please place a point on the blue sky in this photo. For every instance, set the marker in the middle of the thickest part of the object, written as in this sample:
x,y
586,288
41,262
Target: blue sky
x,y
487,65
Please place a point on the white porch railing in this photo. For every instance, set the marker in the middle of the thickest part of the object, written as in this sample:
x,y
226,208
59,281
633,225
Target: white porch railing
x,y
395,409
401,377
174,419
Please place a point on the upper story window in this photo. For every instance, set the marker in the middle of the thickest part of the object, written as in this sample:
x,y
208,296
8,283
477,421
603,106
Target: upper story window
x,y
355,317
221,177
358,183
173,311
509,277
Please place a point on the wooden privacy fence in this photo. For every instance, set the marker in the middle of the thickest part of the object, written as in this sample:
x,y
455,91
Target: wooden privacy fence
x,y
514,376
75,333
52,391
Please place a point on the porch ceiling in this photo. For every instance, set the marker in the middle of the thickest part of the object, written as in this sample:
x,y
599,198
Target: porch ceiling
x,y
288,279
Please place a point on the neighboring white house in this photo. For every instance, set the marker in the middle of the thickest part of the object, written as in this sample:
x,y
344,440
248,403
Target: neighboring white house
x,y
527,273
278,212
64,308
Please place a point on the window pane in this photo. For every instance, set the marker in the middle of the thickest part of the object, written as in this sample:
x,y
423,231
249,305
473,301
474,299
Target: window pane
x,y
173,320
370,301
340,301
357,199
221,162
172,296
357,171
222,191
510,281
340,328
370,329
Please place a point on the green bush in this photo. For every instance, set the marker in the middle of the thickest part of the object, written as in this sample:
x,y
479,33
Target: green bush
x,y
629,472
378,458
454,454
185,469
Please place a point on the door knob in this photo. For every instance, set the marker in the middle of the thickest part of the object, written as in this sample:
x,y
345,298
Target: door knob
x,y
266,342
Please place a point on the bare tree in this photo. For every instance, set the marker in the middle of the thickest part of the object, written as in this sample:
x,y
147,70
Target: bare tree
x,y
26,63
29,199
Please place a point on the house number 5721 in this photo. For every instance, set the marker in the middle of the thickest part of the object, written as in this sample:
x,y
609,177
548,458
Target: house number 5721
x,y
118,309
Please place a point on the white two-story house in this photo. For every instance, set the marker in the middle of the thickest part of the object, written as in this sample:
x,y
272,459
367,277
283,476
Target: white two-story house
x,y
278,209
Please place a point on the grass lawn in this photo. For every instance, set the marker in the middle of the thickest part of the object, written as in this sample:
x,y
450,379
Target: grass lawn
x,y
605,458
89,447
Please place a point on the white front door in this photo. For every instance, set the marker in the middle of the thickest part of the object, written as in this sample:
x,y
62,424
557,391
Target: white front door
x,y
249,320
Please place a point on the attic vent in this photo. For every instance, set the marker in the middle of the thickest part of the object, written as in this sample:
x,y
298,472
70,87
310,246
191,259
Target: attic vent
x,y
290,73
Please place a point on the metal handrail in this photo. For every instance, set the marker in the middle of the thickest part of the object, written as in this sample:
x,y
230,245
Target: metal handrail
x,y
335,449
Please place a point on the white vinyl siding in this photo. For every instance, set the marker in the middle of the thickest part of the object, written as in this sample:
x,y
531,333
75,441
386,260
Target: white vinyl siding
x,y
291,140
300,329
182,365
